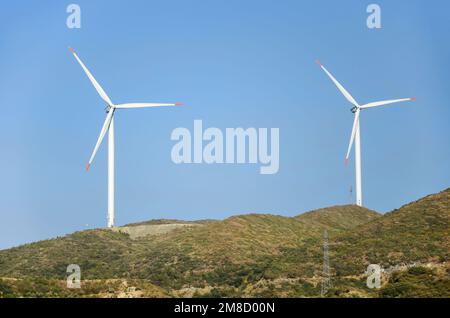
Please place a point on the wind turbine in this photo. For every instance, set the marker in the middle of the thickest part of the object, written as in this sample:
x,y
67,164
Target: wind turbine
x,y
108,126
355,136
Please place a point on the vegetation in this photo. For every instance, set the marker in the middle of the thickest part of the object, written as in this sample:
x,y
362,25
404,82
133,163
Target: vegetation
x,y
254,255
417,232
40,287
418,282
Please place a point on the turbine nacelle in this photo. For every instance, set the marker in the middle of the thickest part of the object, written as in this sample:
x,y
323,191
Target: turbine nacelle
x,y
108,108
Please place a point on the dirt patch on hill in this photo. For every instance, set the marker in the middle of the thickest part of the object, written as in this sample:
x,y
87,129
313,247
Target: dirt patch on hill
x,y
138,231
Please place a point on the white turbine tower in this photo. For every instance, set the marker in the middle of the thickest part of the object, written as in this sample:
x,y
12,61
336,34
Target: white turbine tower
x,y
355,136
108,125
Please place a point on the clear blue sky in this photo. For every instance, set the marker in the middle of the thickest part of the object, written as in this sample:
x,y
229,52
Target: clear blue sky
x,y
232,64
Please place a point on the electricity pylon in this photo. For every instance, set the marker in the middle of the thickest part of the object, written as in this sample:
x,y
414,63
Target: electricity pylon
x,y
326,276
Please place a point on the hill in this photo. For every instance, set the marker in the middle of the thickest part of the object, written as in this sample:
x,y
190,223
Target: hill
x,y
247,255
417,232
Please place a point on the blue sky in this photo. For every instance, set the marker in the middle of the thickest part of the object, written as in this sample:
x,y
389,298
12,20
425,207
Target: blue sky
x,y
232,64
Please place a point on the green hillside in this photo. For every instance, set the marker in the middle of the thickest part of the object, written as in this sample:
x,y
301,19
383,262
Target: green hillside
x,y
417,232
247,255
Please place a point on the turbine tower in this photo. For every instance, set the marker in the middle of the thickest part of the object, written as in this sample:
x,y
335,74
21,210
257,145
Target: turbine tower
x,y
108,126
355,135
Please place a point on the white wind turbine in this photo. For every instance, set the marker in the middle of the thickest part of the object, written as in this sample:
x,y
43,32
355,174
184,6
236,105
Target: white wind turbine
x,y
355,136
108,125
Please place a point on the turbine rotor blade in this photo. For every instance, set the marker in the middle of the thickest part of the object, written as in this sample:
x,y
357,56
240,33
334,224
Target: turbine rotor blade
x,y
105,128
352,137
339,86
97,86
143,105
387,102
